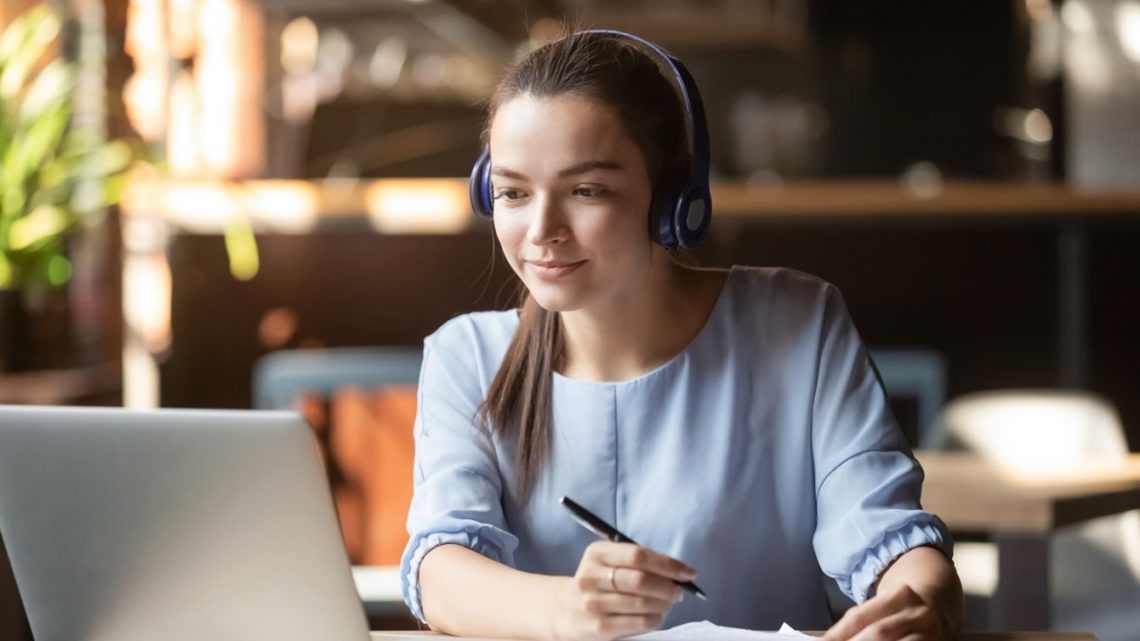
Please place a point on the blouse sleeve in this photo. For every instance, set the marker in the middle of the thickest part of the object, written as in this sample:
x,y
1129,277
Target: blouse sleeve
x,y
457,495
868,485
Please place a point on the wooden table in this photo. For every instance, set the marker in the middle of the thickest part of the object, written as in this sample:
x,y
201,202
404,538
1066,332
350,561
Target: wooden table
x,y
1019,512
414,635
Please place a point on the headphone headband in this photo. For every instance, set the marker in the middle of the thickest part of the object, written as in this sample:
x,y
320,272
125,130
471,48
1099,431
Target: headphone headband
x,y
684,212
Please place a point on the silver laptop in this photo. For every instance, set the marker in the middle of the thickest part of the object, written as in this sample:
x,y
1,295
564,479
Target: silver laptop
x,y
173,525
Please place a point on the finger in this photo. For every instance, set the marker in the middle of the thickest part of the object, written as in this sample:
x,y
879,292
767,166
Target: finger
x,y
622,625
614,603
628,581
636,582
601,579
629,555
866,613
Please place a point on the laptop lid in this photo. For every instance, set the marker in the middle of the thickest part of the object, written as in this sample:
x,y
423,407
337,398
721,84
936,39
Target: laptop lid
x,y
172,525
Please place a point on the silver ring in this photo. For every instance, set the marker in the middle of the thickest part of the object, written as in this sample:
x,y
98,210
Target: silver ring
x,y
613,584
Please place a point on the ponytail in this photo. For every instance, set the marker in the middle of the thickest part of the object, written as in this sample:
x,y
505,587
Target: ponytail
x,y
519,402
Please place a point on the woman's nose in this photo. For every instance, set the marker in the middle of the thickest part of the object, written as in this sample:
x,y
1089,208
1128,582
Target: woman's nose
x,y
547,225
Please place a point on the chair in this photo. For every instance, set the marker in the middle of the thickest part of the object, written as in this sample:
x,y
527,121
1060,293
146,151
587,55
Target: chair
x,y
918,374
1095,582
361,403
279,378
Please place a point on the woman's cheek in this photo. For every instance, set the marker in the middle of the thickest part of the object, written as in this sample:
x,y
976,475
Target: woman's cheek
x,y
510,237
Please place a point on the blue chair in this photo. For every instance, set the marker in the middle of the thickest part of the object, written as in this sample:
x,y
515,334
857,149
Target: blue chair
x,y
279,378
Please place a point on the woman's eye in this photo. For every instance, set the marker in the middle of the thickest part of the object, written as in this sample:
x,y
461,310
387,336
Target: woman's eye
x,y
509,195
589,191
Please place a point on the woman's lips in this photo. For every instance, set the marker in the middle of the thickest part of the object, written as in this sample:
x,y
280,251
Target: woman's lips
x,y
552,270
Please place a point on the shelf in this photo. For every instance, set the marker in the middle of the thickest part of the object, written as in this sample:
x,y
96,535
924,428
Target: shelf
x,y
879,199
692,30
439,205
59,387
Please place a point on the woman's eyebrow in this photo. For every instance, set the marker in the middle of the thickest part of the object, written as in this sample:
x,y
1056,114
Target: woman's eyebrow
x,y
588,165
506,173
572,170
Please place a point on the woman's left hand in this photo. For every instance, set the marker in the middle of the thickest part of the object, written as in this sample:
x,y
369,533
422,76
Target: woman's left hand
x,y
891,616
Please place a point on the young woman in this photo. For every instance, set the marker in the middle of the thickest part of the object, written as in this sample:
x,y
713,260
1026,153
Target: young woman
x,y
729,421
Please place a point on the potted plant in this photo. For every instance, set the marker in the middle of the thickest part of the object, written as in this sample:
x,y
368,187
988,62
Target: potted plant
x,y
57,174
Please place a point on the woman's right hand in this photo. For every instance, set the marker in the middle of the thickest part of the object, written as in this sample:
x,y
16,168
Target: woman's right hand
x,y
619,589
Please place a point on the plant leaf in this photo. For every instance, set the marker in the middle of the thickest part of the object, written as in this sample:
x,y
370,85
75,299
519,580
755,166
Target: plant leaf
x,y
19,30
108,158
45,222
51,86
6,276
32,33
241,246
37,145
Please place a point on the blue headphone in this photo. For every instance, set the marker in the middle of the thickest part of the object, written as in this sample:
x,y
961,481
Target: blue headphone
x,y
684,213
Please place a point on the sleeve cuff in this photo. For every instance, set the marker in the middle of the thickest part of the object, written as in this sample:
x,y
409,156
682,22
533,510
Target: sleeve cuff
x,y
416,551
929,530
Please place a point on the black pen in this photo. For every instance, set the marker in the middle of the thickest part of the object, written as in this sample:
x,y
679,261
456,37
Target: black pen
x,y
594,524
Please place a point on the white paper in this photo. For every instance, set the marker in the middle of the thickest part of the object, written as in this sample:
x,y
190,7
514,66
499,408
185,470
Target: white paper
x,y
788,630
703,631
706,631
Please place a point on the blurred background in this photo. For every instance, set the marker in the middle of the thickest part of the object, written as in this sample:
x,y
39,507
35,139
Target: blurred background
x,y
209,182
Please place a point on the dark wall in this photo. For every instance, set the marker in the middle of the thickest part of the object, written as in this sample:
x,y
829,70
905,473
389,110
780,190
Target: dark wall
x,y
387,139
345,289
906,82
1114,320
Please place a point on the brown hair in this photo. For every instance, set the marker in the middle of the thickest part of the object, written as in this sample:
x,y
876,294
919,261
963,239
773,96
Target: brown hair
x,y
612,71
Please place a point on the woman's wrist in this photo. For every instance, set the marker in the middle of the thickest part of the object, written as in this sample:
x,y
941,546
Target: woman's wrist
x,y
554,616
932,576
946,605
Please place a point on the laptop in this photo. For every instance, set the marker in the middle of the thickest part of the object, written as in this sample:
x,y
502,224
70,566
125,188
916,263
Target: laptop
x,y
173,525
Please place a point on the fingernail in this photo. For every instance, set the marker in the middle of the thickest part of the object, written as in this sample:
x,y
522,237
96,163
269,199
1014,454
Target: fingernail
x,y
688,574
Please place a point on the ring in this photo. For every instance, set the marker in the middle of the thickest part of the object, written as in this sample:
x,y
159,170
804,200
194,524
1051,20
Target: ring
x,y
613,583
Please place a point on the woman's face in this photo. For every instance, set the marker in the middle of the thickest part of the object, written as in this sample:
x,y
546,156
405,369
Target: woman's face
x,y
572,194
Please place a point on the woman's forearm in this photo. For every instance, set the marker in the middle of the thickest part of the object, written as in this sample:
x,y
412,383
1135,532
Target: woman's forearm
x,y
929,573
464,593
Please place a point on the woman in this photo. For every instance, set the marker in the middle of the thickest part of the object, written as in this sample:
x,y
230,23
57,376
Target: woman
x,y
729,421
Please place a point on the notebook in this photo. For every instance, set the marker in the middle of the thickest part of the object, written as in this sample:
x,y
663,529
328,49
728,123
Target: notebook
x,y
706,631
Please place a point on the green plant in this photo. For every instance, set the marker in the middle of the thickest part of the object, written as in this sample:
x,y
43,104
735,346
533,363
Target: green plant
x,y
55,176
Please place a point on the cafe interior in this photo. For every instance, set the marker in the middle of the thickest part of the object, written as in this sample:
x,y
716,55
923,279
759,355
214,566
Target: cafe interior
x,y
270,211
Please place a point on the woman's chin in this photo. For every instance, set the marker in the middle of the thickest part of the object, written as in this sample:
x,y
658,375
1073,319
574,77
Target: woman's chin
x,y
555,301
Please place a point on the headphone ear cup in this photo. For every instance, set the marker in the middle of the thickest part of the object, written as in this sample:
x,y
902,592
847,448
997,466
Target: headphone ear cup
x,y
479,186
691,217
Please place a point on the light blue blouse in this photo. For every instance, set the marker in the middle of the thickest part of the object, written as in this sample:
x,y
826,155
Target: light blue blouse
x,y
761,454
